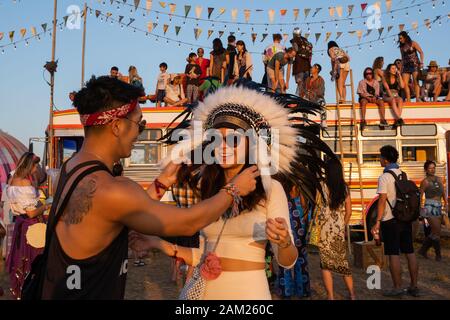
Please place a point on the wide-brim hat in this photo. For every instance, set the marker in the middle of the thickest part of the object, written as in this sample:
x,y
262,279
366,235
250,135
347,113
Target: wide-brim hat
x,y
433,63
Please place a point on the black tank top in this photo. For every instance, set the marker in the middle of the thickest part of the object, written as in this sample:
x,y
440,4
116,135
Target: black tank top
x,y
100,277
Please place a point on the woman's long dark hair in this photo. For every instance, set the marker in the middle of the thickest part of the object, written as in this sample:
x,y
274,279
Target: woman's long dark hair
x,y
378,63
332,44
218,47
405,35
335,182
387,72
242,43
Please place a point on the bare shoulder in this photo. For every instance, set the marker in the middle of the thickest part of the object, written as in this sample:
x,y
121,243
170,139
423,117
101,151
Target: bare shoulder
x,y
19,182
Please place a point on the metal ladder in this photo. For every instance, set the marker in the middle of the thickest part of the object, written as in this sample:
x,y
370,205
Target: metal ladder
x,y
351,136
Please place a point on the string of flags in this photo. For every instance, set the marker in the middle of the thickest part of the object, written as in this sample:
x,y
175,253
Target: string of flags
x,y
336,13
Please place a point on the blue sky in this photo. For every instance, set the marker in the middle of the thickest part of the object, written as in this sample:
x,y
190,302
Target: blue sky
x,y
24,94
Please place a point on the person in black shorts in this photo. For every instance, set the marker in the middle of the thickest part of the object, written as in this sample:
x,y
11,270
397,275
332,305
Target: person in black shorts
x,y
396,235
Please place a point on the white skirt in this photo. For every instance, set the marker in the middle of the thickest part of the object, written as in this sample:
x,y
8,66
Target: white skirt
x,y
239,285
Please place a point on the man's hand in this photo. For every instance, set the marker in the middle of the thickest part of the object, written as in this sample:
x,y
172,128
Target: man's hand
x,y
246,180
376,228
169,175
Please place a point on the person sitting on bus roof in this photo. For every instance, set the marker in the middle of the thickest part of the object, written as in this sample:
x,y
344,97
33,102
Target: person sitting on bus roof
x,y
431,85
393,83
175,93
369,92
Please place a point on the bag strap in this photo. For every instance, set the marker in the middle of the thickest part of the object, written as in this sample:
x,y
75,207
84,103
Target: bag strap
x,y
219,236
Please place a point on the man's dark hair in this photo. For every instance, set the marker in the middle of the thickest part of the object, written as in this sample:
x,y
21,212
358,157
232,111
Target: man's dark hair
x,y
231,38
289,50
114,68
319,67
192,55
277,37
104,93
163,64
389,153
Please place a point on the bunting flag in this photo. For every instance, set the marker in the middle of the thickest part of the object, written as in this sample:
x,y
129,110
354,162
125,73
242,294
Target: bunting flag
x,y
198,11
108,15
210,32
378,5
271,13
136,4
173,7
197,32
187,8
359,34
331,11
380,32
338,34
283,12
67,17
369,31
11,35
177,30
401,27
131,21
352,32
254,35
23,32
306,35
285,37
210,11
162,4
317,11
165,27
221,12
296,12
415,24
247,15
390,28
234,13
428,23
318,36
350,9
44,27
33,31
220,34
148,5
120,19
339,11
97,13
307,11
264,36
327,36
1,36
388,5
363,7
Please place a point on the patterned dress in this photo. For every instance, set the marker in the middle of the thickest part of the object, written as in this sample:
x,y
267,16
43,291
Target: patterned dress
x,y
296,281
332,246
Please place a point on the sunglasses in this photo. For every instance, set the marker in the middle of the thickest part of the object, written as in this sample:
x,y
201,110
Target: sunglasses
x,y
369,73
141,124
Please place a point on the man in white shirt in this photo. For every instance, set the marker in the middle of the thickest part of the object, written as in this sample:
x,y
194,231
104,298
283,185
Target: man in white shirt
x,y
396,235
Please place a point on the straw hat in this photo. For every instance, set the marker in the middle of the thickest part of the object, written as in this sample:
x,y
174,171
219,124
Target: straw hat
x,y
433,63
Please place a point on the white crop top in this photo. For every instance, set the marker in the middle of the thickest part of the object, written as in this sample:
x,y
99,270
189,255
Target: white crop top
x,y
241,231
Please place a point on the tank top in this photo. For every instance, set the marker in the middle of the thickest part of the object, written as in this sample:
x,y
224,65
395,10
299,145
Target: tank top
x,y
100,277
409,55
434,188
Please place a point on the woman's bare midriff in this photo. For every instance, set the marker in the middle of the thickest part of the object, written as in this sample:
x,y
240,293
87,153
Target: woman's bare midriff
x,y
240,265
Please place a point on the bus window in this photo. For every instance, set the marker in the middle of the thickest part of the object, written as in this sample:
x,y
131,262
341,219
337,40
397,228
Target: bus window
x,y
418,130
371,149
376,131
148,150
419,150
349,149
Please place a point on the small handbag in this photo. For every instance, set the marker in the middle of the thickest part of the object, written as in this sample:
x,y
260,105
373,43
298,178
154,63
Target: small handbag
x,y
194,288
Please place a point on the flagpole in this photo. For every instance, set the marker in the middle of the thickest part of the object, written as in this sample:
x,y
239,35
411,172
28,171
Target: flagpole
x,y
52,87
84,44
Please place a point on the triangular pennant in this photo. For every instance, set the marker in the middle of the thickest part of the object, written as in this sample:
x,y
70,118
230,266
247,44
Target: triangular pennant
x,y
327,36
338,34
271,13
283,12
390,28
131,21
318,36
380,32
295,12
210,32
150,26
23,32
401,27
136,4
221,12
172,7
427,23
210,11
108,15
1,36
155,25
187,8
350,9
331,11
232,33
165,27
44,27
388,5
162,4
254,36
120,19
317,11
177,30
33,31
264,36
11,35
359,34
97,13
368,32
148,5
307,11
234,13
363,7
285,37
352,32
220,34
65,20
198,11
415,24
378,5
306,35
339,11
247,15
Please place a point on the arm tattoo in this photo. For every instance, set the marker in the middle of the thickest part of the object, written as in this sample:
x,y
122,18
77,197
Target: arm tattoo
x,y
80,202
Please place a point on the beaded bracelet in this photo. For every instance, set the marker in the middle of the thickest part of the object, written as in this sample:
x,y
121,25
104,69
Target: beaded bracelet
x,y
233,191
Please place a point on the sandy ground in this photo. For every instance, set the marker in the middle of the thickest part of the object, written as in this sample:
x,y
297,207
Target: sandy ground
x,y
153,281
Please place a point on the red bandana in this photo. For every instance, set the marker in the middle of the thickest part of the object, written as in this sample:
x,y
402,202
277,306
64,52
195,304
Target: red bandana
x,y
105,117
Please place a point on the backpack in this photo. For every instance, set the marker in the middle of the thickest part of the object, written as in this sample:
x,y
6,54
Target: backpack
x,y
407,205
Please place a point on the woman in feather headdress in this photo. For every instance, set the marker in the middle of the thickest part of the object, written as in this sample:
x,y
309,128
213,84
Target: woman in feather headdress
x,y
249,127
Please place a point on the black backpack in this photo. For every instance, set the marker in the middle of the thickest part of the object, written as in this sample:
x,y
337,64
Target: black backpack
x,y
407,205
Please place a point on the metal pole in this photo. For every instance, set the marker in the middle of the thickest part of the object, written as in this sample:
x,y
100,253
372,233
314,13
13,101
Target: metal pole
x,y
52,87
84,44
